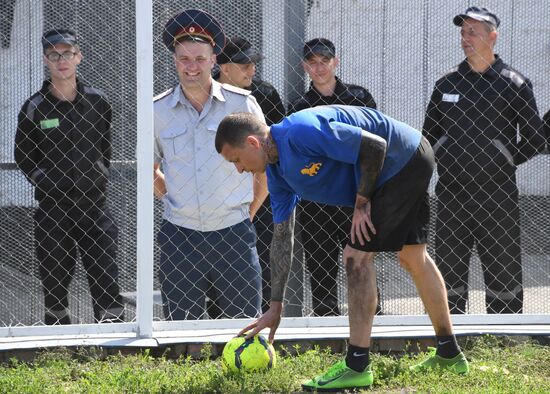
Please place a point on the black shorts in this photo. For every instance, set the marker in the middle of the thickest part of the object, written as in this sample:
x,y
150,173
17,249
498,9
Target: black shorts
x,y
400,208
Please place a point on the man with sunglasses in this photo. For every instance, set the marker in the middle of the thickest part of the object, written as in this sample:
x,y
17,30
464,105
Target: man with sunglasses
x,y
63,146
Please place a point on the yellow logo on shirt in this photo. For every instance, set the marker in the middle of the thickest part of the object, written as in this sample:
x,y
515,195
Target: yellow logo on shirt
x,y
311,169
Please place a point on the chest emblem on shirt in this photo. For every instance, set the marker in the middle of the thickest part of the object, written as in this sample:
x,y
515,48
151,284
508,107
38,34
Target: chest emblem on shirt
x,y
311,169
49,123
450,98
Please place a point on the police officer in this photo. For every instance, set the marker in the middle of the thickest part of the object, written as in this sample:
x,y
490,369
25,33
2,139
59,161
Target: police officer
x,y
237,67
471,121
63,146
325,226
207,241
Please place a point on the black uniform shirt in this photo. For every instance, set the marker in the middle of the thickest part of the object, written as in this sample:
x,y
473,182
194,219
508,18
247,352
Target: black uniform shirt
x,y
269,101
345,94
267,97
64,148
472,120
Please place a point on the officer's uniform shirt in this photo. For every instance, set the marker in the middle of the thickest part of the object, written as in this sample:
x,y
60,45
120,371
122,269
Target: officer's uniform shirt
x,y
319,151
472,122
204,192
345,94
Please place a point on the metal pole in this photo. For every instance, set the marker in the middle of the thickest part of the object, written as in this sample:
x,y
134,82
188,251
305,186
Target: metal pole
x,y
144,152
294,25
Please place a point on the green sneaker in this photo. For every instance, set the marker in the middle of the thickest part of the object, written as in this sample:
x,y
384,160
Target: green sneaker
x,y
458,364
340,377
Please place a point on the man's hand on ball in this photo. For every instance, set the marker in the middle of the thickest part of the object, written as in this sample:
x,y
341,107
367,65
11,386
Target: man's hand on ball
x,y
271,319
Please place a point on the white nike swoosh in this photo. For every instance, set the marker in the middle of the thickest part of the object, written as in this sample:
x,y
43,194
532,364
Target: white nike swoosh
x,y
355,354
443,343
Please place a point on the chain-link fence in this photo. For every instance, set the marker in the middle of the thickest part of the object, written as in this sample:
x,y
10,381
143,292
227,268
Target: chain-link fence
x,y
393,51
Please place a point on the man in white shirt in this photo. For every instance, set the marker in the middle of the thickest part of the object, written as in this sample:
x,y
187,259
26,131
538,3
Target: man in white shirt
x,y
207,242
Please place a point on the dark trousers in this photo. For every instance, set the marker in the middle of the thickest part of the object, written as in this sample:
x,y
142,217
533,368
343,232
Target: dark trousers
x,y
325,229
263,223
61,231
489,219
221,265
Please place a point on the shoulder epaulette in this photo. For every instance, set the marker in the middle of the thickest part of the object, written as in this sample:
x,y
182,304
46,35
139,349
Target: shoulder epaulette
x,y
34,102
235,89
163,94
514,76
355,88
266,84
91,90
452,70
263,86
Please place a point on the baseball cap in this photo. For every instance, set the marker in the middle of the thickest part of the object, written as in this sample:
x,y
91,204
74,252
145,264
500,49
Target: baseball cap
x,y
319,46
240,51
58,36
479,14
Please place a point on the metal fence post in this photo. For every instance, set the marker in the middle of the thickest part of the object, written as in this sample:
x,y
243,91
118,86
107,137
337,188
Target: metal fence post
x,y
294,15
144,43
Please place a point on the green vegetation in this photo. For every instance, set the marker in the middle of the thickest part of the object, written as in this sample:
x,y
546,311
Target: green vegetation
x,y
498,365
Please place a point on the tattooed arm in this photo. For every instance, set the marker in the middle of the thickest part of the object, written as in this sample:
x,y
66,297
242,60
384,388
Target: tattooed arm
x,y
280,259
372,153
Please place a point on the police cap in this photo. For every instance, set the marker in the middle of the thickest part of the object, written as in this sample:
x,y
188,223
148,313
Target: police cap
x,y
197,24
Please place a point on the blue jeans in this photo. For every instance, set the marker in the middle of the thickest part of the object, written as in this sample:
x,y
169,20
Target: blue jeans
x,y
221,264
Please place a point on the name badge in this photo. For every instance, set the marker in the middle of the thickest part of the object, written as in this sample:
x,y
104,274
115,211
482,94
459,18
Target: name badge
x,y
450,98
49,123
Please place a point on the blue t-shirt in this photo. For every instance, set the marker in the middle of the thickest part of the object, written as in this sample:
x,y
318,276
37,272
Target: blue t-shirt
x,y
319,155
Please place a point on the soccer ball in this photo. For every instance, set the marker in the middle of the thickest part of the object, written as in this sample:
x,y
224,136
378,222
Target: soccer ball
x,y
248,355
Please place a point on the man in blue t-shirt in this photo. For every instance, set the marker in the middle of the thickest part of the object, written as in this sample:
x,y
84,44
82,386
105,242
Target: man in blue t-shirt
x,y
357,157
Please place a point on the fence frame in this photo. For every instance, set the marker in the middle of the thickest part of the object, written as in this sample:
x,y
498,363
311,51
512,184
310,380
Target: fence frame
x,y
144,327
145,239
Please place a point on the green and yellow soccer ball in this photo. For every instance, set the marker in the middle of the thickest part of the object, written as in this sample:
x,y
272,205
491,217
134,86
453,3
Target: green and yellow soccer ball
x,y
248,355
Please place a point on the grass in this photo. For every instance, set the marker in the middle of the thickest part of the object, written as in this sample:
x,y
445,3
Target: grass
x,y
498,365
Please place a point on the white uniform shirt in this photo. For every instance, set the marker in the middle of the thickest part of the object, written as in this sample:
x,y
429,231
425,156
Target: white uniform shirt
x,y
204,192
